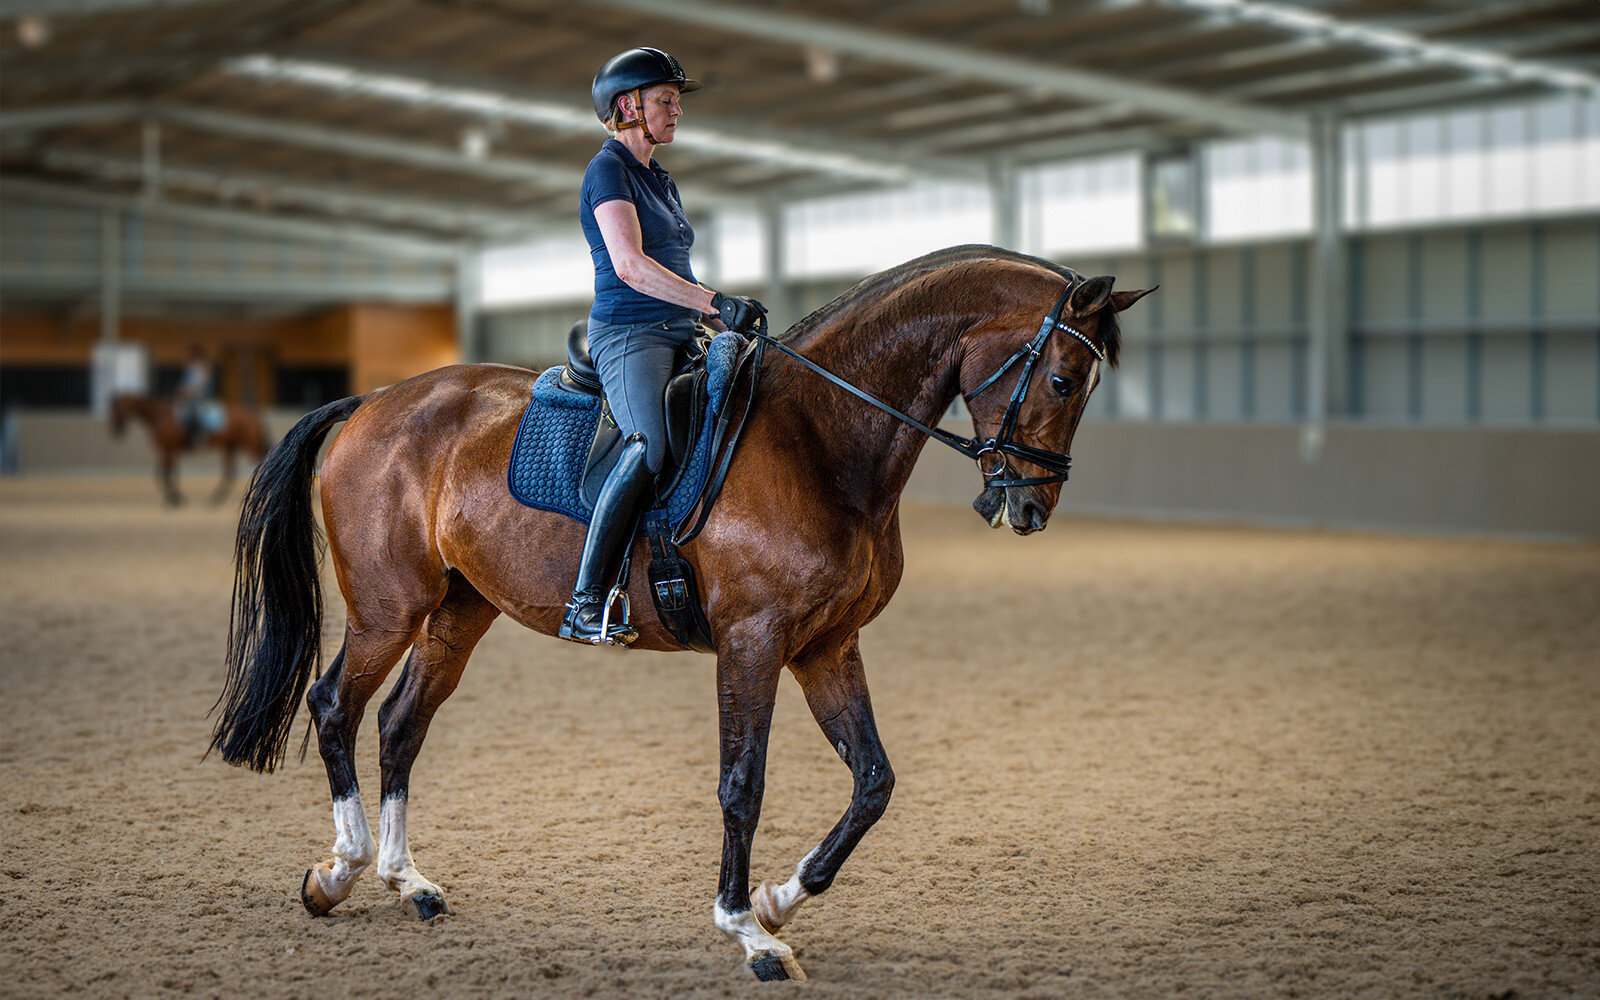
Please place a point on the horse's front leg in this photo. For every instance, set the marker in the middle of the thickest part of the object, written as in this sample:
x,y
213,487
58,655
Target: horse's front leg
x,y
747,685
835,686
167,478
226,485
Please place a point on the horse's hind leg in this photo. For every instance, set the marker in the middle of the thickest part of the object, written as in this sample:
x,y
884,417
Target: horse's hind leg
x,y
337,702
835,686
167,478
431,673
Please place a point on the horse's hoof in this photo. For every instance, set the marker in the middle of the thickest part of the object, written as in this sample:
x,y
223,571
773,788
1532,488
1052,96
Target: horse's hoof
x,y
426,906
770,968
765,908
317,902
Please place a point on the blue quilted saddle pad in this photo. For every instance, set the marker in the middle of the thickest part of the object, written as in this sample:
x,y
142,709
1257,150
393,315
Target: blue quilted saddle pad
x,y
546,469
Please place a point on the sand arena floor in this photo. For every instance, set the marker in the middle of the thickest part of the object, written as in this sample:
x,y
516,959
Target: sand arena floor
x,y
1133,761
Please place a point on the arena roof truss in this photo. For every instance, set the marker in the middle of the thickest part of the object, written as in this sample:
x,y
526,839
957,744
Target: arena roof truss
x,y
439,126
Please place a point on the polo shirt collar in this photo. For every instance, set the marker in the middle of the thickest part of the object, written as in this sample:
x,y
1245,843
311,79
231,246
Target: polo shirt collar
x,y
627,156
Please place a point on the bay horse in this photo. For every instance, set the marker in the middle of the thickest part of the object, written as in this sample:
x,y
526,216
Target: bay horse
x,y
241,431
800,552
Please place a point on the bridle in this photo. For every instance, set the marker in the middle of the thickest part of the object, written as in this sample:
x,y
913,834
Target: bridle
x,y
1001,445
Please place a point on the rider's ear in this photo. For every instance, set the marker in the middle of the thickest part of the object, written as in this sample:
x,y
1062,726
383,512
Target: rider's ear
x,y
1122,300
1091,296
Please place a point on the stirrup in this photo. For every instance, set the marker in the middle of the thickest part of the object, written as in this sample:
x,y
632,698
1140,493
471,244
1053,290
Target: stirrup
x,y
616,594
602,635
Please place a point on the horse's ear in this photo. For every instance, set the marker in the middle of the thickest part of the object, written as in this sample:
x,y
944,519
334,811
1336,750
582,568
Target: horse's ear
x,y
1091,296
1122,300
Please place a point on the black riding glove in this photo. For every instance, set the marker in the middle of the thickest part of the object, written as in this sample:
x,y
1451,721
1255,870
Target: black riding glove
x,y
738,312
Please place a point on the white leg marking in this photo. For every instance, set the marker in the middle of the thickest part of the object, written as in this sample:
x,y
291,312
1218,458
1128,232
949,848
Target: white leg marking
x,y
395,866
774,906
353,850
746,930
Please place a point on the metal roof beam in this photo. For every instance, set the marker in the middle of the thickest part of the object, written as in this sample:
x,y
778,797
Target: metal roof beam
x,y
545,175
146,291
1437,22
369,146
57,116
958,60
366,237
479,98
1416,98
385,208
1016,132
1396,44
78,8
1123,140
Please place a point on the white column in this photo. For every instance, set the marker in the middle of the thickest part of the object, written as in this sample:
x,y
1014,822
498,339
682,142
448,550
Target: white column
x,y
469,276
150,168
1005,199
777,295
1327,321
110,276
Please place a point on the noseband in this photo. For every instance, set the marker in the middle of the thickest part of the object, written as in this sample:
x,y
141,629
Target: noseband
x,y
996,448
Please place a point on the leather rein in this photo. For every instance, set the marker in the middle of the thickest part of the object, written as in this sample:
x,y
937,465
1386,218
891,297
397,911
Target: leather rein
x,y
1001,444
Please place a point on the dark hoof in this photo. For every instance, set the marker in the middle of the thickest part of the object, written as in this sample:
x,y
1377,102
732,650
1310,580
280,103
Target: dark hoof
x,y
426,907
769,968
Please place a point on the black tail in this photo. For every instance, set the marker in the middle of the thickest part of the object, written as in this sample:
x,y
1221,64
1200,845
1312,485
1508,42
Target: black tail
x,y
275,630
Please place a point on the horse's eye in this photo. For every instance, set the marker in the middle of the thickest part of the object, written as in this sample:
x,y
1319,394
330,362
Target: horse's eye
x,y
1063,386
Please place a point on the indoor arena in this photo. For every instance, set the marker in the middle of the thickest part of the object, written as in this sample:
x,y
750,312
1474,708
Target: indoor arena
x,y
1288,691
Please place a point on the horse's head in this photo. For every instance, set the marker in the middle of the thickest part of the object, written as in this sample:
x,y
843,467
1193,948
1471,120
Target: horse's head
x,y
1035,401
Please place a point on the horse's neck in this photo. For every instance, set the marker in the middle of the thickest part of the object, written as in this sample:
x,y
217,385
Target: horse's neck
x,y
910,364
150,410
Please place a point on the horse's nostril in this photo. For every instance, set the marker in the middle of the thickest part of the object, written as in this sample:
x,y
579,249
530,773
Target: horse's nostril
x,y
1035,516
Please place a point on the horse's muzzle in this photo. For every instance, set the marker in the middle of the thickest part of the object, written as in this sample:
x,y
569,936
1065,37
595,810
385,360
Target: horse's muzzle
x,y
1022,512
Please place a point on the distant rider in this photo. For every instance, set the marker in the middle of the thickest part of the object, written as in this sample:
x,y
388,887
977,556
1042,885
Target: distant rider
x,y
195,393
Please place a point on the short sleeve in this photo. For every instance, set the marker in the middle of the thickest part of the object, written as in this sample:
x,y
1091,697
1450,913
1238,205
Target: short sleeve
x,y
605,180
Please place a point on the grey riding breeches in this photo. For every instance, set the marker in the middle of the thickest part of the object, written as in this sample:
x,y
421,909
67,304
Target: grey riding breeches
x,y
635,361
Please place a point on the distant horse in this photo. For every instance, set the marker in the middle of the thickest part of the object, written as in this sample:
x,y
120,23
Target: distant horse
x,y
800,552
240,430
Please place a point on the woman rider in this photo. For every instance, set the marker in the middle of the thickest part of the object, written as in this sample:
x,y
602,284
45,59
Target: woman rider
x,y
646,304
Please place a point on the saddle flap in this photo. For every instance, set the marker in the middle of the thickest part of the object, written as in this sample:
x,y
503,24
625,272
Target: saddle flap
x,y
685,404
604,450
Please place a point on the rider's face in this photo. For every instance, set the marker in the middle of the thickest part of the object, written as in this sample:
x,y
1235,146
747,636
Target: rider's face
x,y
661,111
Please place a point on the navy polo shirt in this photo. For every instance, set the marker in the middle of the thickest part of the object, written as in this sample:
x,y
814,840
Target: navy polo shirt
x,y
667,236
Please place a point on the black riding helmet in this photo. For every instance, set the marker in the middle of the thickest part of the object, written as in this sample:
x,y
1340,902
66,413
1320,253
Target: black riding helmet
x,y
632,70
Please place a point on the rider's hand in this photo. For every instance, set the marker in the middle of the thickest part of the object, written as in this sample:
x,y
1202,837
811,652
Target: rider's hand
x,y
738,312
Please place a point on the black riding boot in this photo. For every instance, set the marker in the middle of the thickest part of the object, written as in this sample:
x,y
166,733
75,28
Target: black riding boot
x,y
616,516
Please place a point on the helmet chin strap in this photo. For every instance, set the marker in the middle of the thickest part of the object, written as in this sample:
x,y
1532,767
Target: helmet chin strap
x,y
638,107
